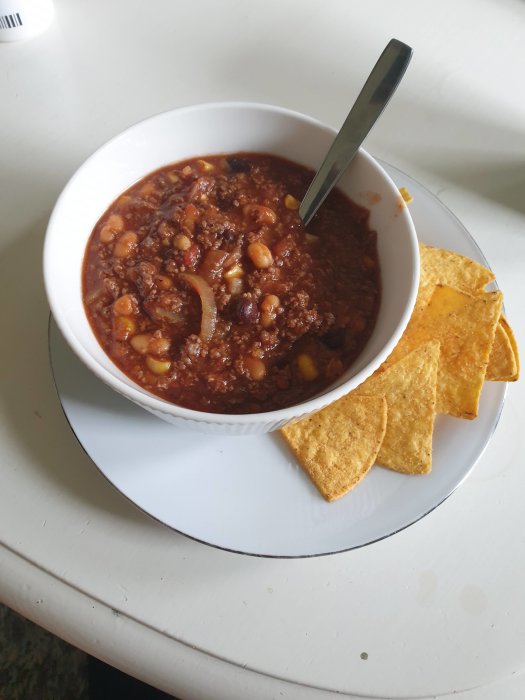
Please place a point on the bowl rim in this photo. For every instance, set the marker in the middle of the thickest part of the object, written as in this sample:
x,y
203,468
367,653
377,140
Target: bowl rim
x,y
159,405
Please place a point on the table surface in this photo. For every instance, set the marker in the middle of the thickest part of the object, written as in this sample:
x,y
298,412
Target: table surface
x,y
438,608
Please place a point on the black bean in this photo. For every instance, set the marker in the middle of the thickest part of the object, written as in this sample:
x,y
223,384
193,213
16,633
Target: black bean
x,y
228,234
239,165
334,338
247,311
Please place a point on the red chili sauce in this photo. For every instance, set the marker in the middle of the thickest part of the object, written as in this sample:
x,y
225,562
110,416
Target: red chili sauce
x,y
203,286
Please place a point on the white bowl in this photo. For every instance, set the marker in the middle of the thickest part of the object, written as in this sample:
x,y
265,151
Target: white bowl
x,y
204,130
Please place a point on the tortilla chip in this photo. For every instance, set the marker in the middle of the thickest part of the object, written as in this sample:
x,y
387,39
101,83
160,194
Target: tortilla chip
x,y
455,339
409,387
439,266
338,446
465,326
514,346
502,363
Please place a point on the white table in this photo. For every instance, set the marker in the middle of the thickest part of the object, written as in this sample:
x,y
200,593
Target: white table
x,y
439,607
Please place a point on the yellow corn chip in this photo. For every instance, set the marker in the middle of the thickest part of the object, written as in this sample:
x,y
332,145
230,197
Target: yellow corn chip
x,y
514,346
456,339
409,387
439,266
465,326
337,446
502,363
424,292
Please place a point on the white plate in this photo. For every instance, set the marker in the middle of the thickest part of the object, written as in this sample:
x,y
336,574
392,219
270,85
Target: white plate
x,y
247,494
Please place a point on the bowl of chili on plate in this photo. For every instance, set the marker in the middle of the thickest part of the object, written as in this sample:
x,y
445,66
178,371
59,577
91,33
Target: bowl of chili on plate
x,y
179,271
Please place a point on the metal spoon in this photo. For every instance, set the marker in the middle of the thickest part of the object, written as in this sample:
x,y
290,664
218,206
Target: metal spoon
x,y
373,98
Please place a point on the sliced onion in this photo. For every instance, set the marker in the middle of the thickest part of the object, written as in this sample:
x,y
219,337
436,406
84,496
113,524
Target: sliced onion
x,y
209,307
212,265
171,316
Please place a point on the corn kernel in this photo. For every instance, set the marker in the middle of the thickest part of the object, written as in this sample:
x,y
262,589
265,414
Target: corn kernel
x,y
233,272
307,367
407,197
157,366
123,327
290,202
205,166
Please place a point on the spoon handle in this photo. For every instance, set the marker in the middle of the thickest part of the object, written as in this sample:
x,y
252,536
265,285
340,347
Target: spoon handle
x,y
373,98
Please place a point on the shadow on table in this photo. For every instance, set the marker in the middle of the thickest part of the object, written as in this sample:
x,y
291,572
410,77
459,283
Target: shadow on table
x,y
476,145
31,409
32,413
503,183
488,156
